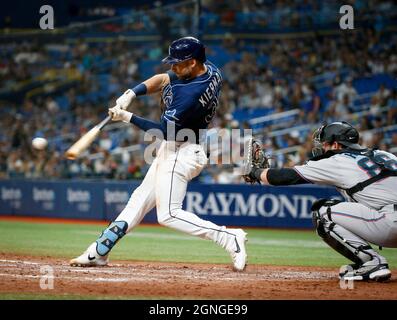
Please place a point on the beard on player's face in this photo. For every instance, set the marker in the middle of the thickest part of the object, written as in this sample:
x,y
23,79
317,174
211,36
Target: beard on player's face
x,y
331,146
184,69
319,148
326,147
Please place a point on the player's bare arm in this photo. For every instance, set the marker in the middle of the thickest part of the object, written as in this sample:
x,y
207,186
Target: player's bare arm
x,y
152,85
156,83
149,86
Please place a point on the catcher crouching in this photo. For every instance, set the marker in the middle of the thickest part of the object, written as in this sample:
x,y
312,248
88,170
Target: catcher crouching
x,y
366,178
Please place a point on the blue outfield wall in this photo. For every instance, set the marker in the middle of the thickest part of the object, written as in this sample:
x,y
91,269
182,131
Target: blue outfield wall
x,y
230,205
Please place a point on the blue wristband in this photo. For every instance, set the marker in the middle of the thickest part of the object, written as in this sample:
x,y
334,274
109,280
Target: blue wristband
x,y
140,89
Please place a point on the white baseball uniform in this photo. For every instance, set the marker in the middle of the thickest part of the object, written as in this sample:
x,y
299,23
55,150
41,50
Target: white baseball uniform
x,y
164,186
190,106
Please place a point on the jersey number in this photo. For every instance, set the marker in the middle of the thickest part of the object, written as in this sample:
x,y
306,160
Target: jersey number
x,y
212,110
373,168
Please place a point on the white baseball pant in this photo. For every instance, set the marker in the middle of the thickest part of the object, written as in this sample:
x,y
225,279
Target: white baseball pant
x,y
164,186
358,225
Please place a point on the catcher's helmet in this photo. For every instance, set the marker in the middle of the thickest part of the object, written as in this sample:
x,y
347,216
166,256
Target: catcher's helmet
x,y
341,132
184,49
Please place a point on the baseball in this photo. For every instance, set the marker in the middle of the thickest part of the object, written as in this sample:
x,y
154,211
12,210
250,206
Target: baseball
x,y
39,143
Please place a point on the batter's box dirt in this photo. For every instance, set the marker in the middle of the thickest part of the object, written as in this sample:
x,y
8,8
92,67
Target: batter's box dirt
x,y
22,274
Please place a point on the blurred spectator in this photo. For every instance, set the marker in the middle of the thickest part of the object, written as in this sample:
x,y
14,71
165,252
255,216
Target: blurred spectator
x,y
105,142
345,89
392,108
64,89
382,94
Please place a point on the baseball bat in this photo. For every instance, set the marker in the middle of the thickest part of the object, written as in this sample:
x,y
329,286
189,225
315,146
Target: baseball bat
x,y
84,142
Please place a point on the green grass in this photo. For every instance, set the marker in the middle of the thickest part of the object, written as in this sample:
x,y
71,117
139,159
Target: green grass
x,y
152,243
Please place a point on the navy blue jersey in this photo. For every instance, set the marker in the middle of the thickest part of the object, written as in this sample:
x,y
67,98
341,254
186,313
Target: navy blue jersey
x,y
191,104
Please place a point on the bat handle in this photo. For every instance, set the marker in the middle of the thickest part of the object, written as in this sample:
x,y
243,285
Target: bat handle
x,y
104,122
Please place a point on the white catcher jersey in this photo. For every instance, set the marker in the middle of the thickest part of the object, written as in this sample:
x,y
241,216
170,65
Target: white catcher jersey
x,y
345,170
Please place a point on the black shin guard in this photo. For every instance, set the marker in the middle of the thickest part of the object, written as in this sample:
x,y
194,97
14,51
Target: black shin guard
x,y
325,229
357,254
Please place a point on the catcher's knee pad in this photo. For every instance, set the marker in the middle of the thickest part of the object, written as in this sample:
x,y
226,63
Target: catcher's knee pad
x,y
317,218
110,236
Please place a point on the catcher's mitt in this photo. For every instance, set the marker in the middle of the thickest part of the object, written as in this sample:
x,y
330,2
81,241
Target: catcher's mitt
x,y
254,159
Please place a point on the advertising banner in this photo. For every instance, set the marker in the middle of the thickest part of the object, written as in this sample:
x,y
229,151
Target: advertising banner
x,y
223,204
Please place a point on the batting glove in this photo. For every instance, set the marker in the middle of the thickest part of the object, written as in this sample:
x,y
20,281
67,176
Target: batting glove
x,y
118,114
125,100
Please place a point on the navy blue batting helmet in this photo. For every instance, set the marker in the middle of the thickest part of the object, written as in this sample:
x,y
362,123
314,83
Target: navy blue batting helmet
x,y
184,49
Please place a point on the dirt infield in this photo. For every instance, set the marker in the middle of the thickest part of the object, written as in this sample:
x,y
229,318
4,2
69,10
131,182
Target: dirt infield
x,y
22,274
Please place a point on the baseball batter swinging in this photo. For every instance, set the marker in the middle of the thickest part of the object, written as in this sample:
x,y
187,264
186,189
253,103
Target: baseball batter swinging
x,y
366,178
190,92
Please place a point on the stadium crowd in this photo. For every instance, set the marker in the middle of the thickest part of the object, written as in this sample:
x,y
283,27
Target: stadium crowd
x,y
61,90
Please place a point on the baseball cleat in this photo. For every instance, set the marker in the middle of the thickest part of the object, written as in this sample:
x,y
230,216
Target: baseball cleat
x,y
377,273
90,258
238,252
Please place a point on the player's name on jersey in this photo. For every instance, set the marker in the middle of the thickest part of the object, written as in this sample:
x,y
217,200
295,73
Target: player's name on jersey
x,y
211,90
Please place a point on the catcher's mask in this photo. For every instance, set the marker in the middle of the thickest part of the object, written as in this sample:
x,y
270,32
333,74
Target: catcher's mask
x,y
341,132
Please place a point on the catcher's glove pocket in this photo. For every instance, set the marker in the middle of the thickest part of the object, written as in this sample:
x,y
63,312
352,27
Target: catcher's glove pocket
x,y
255,158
